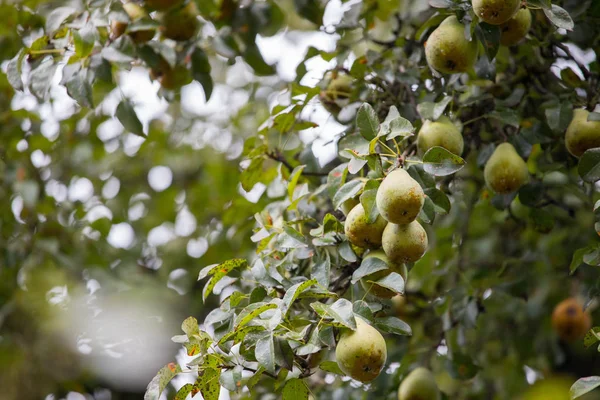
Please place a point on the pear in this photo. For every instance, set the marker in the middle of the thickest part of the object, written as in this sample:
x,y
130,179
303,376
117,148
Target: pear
x,y
505,172
375,289
442,133
515,29
348,205
448,51
582,134
360,232
337,93
162,5
404,243
361,354
399,197
181,23
135,13
419,384
570,321
495,12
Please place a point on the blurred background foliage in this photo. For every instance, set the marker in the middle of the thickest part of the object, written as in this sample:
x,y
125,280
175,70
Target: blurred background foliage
x,y
115,202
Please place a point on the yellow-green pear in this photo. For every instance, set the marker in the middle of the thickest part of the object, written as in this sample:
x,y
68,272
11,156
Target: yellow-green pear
x,y
442,133
361,354
495,12
419,384
180,23
360,233
505,172
404,243
515,29
348,205
448,51
582,134
375,289
337,93
399,197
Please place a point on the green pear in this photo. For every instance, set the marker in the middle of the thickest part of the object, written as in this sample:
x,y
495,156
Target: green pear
x,y
515,29
582,134
337,93
442,133
496,12
180,23
375,289
360,232
135,13
399,197
448,51
404,243
505,172
348,205
419,384
361,354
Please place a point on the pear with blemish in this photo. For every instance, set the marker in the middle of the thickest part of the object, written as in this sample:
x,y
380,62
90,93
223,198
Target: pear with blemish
x,y
442,133
582,134
448,51
399,197
404,243
375,289
360,232
495,12
505,172
361,354
419,384
516,28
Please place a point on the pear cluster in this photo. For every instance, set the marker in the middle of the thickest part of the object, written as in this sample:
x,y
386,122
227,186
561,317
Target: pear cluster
x,y
448,51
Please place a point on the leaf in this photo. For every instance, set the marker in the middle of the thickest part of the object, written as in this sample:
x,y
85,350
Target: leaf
x,y
295,389
340,312
57,17
589,165
128,118
296,174
583,386
506,116
265,353
392,281
440,162
14,70
218,273
331,366
294,291
201,71
190,326
367,267
578,257
184,391
559,116
161,380
41,78
367,199
321,271
367,121
226,266
440,107
346,192
559,17
439,199
250,312
592,336
489,36
208,378
252,175
80,89
84,39
393,325
441,3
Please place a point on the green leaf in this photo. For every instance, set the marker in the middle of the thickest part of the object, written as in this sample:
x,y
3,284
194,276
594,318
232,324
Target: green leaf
x,y
190,326
161,380
340,312
346,192
226,266
40,78
294,291
84,39
265,353
367,121
367,267
296,174
367,199
427,213
253,174
253,57
589,165
440,162
489,36
559,17
128,118
392,281
208,378
295,389
331,366
14,70
184,391
559,116
250,312
393,325
218,273
592,336
321,270
80,89
439,199
56,18
583,386
201,71
506,116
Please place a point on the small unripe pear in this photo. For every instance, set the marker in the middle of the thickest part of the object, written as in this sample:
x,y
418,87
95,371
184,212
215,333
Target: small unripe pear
x,y
162,5
515,29
582,134
448,51
399,197
360,232
180,23
442,133
505,172
495,12
419,384
404,243
361,354
375,289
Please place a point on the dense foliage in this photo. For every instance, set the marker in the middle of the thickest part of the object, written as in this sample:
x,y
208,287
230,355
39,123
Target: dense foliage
x,y
449,249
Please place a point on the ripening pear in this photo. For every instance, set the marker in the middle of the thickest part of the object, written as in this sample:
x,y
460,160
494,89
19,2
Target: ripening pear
x,y
570,321
404,243
361,354
496,12
442,133
582,134
448,51
515,29
360,232
399,197
375,289
505,172
180,23
162,5
419,384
